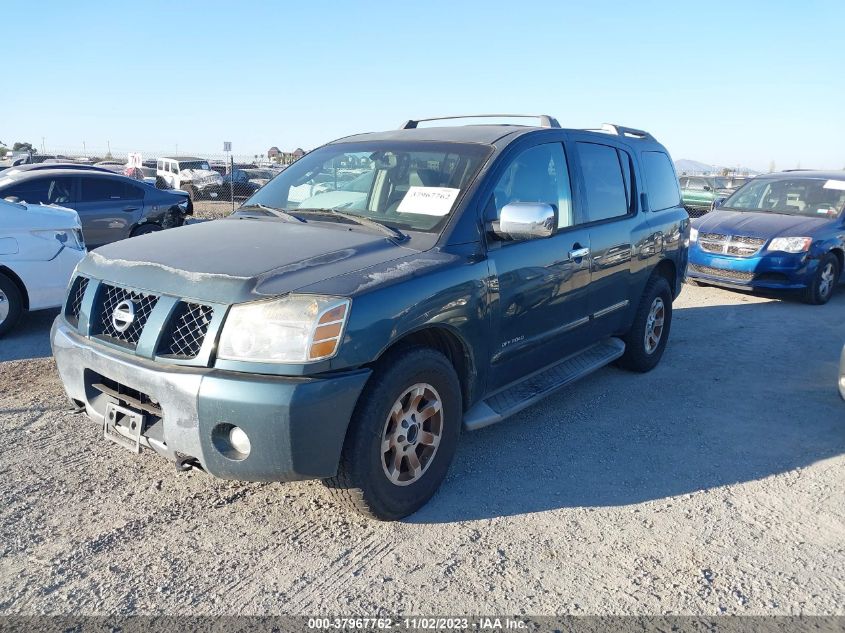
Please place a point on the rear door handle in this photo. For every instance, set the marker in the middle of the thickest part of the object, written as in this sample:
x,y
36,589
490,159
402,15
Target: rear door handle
x,y
129,209
579,253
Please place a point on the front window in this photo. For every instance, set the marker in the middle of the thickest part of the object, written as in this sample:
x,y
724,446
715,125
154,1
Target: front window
x,y
412,186
809,197
194,164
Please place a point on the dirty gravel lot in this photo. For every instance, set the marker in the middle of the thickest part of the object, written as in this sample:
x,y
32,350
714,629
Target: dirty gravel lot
x,y
714,484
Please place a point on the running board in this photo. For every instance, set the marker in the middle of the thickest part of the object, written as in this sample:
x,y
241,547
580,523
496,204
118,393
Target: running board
x,y
537,386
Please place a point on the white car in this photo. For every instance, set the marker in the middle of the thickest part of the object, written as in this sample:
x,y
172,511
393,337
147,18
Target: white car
x,y
40,246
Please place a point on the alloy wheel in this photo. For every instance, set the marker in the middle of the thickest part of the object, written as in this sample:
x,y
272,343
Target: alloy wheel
x,y
412,434
4,307
826,280
654,325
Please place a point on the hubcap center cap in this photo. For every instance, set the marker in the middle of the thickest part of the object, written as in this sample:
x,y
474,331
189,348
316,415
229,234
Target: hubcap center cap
x,y
413,433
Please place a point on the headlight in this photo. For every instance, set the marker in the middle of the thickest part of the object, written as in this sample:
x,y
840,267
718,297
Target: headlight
x,y
790,244
693,234
72,238
293,329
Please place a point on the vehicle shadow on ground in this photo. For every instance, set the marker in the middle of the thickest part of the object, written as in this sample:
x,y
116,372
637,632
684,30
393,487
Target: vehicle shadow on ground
x,y
736,398
30,338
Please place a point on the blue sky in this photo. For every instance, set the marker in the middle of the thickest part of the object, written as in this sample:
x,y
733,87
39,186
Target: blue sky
x,y
722,82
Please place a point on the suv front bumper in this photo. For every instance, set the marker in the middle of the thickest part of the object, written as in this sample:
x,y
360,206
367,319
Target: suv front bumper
x,y
296,426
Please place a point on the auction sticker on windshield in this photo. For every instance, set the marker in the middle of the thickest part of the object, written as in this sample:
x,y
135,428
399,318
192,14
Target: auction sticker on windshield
x,y
835,184
435,201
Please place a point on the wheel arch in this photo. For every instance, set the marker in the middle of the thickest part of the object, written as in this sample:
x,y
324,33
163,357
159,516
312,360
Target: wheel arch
x,y
18,282
666,268
840,255
449,343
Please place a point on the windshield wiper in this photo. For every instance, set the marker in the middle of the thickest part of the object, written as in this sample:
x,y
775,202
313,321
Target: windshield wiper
x,y
363,221
279,213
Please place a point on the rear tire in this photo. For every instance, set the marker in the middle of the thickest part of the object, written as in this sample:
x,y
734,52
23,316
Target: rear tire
x,y
824,282
402,436
646,340
11,304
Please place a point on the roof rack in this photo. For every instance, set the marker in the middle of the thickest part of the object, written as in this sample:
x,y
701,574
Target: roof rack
x,y
619,130
545,119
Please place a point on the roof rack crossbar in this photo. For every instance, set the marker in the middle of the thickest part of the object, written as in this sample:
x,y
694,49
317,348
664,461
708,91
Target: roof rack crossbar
x,y
621,130
545,119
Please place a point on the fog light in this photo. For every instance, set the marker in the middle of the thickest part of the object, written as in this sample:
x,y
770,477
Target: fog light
x,y
239,440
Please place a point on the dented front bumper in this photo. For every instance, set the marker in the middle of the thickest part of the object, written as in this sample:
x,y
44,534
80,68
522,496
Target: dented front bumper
x,y
296,426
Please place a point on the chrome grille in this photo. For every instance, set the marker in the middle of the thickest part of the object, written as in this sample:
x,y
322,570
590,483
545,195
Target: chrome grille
x,y
711,247
188,327
73,307
736,245
735,275
110,298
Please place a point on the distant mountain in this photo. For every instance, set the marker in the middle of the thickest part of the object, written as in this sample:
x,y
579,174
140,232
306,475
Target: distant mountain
x,y
687,166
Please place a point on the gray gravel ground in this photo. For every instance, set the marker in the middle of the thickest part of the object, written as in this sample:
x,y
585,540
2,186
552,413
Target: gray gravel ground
x,y
714,484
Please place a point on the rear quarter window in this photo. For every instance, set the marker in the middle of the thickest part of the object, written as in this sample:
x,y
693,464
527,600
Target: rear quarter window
x,y
663,192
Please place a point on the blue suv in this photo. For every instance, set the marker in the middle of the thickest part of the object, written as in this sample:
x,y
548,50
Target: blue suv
x,y
351,335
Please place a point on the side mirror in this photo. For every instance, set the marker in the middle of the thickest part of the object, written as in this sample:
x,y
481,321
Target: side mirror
x,y
708,188
526,221
718,202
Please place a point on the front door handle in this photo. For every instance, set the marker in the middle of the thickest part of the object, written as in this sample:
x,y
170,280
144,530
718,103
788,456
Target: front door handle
x,y
130,209
579,253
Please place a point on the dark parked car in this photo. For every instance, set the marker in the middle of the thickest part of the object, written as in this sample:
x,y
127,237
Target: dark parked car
x,y
782,231
245,182
487,267
110,206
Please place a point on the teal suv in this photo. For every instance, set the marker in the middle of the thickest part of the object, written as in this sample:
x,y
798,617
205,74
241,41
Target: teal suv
x,y
351,334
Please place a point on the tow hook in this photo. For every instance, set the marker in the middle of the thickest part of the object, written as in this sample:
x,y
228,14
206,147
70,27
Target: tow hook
x,y
186,462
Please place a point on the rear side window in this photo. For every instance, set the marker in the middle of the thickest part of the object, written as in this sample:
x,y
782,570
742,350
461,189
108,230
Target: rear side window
x,y
103,189
663,190
42,191
604,182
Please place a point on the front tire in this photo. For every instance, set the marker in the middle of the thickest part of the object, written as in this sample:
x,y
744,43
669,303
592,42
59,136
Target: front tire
x,y
402,436
646,340
11,304
824,281
145,229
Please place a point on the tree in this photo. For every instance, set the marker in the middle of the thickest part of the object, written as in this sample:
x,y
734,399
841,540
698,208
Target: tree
x,y
3,151
725,171
24,147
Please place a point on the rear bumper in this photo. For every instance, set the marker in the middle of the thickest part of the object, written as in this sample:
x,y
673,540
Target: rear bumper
x,y
779,271
296,426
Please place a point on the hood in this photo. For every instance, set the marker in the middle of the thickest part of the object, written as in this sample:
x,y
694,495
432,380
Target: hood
x,y
239,259
34,217
765,225
201,176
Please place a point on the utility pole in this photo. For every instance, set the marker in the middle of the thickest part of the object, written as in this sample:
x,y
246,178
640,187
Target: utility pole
x,y
42,144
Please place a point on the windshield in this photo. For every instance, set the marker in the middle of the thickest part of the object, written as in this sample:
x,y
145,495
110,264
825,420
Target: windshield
x,y
263,174
406,185
194,164
790,196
